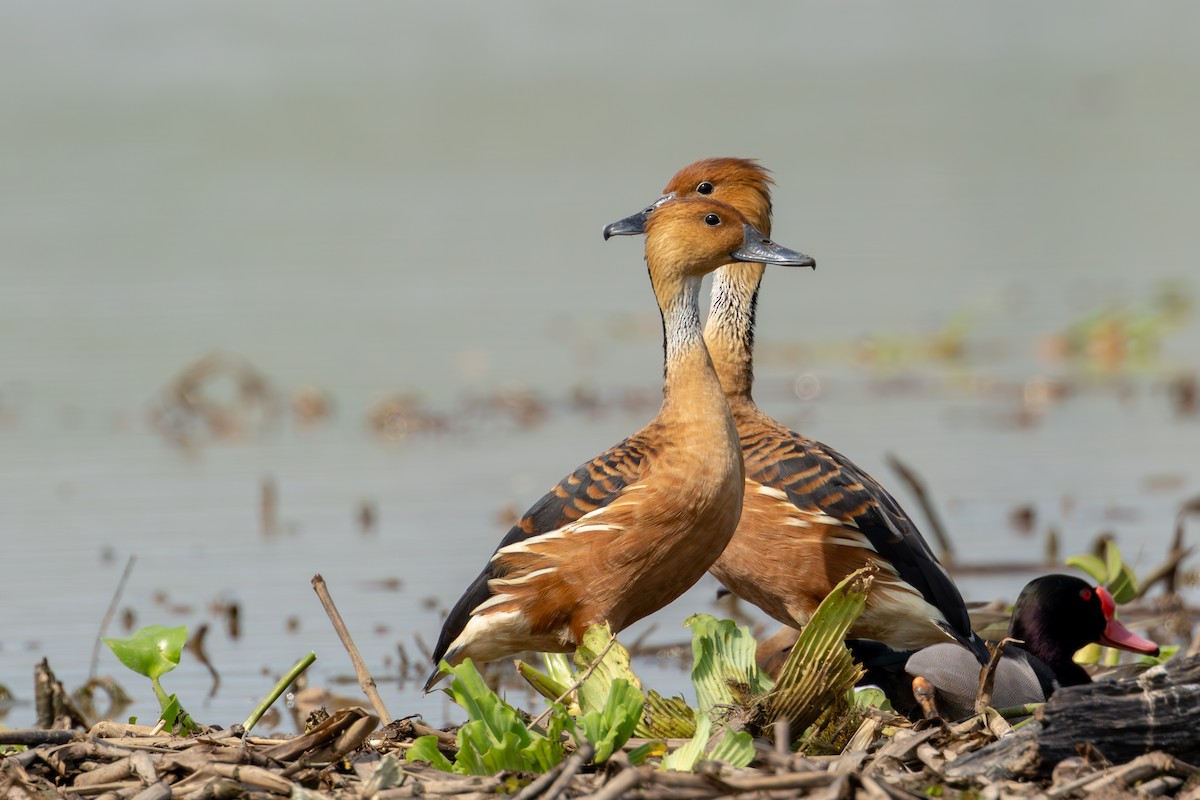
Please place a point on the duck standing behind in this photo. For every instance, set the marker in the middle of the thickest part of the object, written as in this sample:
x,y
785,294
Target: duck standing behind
x,y
632,529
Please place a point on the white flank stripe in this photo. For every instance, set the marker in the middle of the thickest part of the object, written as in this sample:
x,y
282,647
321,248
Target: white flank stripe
x,y
846,541
507,582
490,602
523,546
771,491
586,528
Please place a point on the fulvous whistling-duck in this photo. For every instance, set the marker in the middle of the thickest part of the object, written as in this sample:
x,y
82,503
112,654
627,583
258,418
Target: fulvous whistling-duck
x,y
632,529
810,515
1054,616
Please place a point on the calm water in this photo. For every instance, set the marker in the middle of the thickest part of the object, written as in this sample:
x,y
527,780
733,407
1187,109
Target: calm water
x,y
408,198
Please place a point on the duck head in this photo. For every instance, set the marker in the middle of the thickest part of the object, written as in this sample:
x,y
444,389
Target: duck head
x,y
740,182
1056,615
696,235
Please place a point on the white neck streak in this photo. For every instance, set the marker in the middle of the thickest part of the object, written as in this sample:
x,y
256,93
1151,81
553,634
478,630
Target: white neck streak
x,y
729,331
682,332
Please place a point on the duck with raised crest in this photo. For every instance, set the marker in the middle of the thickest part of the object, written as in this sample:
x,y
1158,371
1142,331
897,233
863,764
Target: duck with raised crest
x,y
632,529
810,516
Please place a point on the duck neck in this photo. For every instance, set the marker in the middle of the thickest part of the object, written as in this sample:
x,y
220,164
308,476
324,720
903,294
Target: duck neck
x,y
1052,647
689,381
729,332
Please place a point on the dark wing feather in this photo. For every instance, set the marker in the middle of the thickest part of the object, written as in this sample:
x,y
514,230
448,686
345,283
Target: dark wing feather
x,y
593,485
818,479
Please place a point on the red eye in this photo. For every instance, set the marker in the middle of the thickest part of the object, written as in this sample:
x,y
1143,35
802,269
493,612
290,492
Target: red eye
x,y
1086,594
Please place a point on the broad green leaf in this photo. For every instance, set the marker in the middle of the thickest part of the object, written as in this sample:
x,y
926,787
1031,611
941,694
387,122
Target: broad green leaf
x,y
735,749
593,694
1093,565
425,748
496,738
152,651
545,753
870,697
1124,585
1112,560
606,730
685,757
1089,654
724,671
558,669
819,671
666,718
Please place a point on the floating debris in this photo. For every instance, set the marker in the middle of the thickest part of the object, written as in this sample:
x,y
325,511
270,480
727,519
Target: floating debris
x,y
218,398
400,415
311,406
368,517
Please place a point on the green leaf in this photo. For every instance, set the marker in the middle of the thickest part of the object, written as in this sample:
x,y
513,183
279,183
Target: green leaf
x,y
724,671
1093,565
1112,560
608,729
1121,582
558,669
1088,654
1124,586
153,651
545,753
819,671
425,748
542,682
176,718
685,757
870,697
1164,653
496,738
735,749
661,718
666,718
593,694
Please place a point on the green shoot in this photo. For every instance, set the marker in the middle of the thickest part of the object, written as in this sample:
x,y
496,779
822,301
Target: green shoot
x,y
287,680
154,651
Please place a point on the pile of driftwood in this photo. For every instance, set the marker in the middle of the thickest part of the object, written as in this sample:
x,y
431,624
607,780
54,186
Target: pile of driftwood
x,y
1137,735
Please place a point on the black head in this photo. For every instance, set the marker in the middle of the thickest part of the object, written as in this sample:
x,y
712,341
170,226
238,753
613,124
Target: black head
x,y
1056,615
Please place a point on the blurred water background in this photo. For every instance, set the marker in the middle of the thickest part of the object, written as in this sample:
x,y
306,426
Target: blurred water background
x,y
385,221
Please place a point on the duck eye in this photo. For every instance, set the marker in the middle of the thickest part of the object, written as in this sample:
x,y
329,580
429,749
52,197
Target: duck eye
x,y
712,220
705,188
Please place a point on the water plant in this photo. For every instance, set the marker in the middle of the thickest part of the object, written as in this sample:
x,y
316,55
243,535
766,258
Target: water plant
x,y
495,736
154,651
